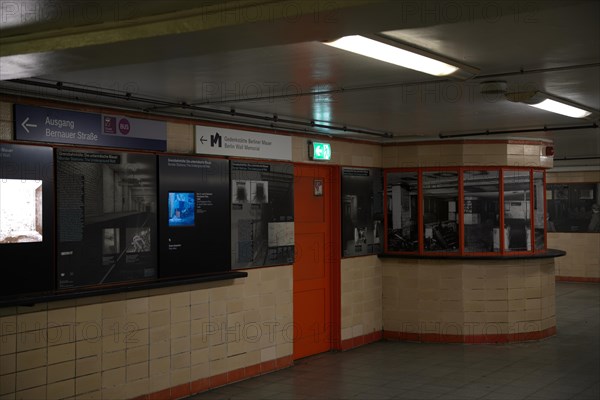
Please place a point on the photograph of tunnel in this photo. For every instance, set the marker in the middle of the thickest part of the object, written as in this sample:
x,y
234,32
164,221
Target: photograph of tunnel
x,y
107,217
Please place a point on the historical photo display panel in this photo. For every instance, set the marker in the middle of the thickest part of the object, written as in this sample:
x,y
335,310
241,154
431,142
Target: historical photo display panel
x,y
193,215
573,207
106,217
262,214
26,218
362,211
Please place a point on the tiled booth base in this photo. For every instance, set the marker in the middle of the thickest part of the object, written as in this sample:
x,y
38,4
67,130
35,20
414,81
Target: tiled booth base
x,y
468,301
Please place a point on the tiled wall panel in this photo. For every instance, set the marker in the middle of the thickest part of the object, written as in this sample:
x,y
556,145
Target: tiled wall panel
x,y
361,281
131,344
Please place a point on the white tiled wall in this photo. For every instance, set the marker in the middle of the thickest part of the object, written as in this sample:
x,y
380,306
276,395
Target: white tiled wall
x,y
361,296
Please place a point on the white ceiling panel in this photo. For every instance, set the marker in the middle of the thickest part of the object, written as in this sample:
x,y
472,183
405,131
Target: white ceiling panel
x,y
223,60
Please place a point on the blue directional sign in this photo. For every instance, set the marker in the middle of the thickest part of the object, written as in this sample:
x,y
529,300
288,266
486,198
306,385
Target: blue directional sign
x,y
42,124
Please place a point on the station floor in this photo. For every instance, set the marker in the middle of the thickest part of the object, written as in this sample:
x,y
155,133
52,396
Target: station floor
x,y
566,366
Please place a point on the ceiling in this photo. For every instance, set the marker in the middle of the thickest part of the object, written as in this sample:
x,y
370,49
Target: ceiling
x,y
263,63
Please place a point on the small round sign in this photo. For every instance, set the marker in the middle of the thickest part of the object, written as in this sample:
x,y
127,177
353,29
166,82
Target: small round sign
x,y
124,126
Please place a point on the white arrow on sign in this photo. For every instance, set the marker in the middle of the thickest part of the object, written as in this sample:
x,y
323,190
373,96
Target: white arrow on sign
x,y
319,151
25,125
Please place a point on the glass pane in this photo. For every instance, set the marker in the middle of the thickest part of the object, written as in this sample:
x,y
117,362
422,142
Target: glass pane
x,y
570,207
517,219
539,212
440,212
402,212
481,216
362,211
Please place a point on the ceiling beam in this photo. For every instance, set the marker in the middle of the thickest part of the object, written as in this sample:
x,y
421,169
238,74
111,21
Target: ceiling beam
x,y
200,29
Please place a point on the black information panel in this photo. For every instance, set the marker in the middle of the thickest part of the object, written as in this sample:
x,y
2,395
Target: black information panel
x,y
362,211
262,214
573,207
106,217
26,219
193,215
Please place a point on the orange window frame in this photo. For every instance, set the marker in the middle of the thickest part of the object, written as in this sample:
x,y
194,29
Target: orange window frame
x,y
460,212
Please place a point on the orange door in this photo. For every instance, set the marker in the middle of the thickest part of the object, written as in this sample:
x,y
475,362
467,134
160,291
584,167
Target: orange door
x,y
312,266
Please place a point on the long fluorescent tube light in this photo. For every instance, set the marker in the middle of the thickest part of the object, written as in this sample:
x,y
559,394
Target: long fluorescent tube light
x,y
561,108
548,102
393,52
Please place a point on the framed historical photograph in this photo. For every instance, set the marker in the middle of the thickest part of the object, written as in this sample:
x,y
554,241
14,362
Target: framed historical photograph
x,y
262,214
318,187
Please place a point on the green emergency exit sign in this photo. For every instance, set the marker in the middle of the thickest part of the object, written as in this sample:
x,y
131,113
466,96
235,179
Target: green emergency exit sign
x,y
319,151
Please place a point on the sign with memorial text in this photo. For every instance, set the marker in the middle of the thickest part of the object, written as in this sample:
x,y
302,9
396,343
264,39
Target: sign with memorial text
x,y
238,143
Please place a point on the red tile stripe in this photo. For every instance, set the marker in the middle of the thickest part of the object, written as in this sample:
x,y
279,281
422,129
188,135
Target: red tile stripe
x,y
361,340
472,339
576,279
204,384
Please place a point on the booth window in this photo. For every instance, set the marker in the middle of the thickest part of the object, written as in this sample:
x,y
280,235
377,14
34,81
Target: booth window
x,y
465,211
440,212
539,213
517,215
481,214
402,211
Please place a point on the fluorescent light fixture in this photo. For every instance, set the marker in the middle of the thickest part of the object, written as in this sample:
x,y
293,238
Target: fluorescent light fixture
x,y
548,102
390,51
561,108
